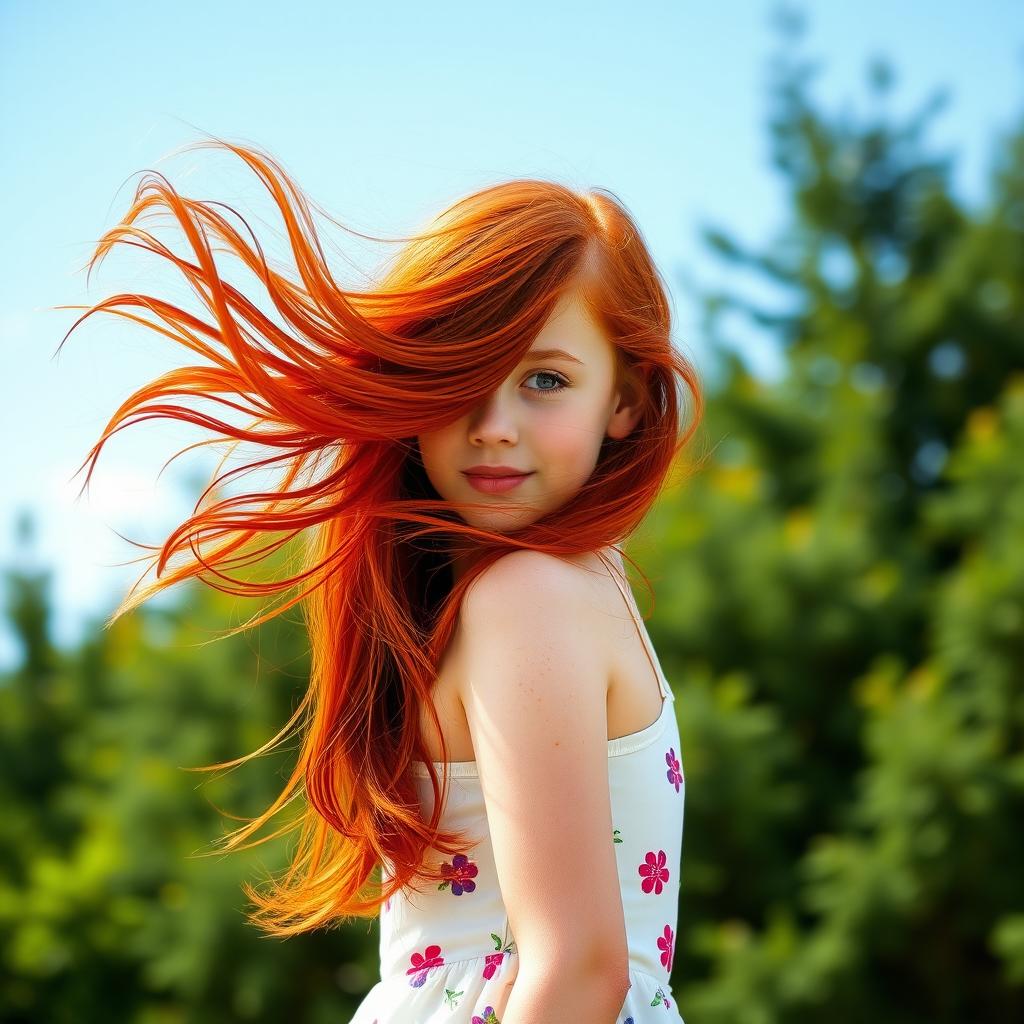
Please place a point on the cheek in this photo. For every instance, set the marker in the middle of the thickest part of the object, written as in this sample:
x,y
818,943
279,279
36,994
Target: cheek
x,y
437,453
569,442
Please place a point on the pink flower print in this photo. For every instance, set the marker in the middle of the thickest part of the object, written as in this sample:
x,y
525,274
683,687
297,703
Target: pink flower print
x,y
422,963
489,1017
491,963
665,945
675,771
493,960
459,875
653,872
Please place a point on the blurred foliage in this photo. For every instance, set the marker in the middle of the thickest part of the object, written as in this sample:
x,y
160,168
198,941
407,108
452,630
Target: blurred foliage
x,y
840,598
115,904
840,605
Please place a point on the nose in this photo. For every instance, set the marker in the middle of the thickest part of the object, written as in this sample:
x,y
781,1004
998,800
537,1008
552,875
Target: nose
x,y
493,422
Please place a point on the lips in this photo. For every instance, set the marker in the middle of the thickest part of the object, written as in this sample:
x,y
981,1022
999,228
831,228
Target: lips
x,y
495,472
495,484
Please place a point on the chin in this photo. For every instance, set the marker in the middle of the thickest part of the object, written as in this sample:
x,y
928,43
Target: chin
x,y
498,522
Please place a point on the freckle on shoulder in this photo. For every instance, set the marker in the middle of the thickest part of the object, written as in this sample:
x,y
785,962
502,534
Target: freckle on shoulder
x,y
535,576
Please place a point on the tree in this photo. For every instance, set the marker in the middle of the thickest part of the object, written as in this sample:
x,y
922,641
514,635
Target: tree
x,y
844,600
108,910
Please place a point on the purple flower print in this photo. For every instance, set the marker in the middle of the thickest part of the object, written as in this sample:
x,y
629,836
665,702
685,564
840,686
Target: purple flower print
x,y
653,872
459,875
675,771
422,963
489,1017
665,945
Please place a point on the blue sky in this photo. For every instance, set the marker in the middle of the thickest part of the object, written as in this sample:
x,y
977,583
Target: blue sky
x,y
384,113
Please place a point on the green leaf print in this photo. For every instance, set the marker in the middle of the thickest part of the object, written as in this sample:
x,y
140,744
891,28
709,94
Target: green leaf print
x,y
505,945
615,835
452,998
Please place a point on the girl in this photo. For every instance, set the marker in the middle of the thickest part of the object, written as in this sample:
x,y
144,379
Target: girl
x,y
466,444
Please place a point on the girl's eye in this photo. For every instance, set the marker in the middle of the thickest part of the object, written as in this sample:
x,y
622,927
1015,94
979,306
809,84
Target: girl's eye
x,y
560,382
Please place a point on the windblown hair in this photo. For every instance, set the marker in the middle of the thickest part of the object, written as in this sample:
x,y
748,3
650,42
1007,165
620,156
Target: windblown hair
x,y
338,396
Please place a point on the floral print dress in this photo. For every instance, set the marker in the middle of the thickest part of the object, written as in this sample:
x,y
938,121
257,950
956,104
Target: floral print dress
x,y
449,956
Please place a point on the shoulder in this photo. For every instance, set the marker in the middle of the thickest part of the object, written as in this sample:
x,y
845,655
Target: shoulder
x,y
530,604
538,582
535,698
533,607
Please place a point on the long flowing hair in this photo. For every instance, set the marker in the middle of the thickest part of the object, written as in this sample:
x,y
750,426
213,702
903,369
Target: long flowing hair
x,y
336,395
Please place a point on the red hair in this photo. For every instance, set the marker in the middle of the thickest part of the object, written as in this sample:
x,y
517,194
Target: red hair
x,y
338,397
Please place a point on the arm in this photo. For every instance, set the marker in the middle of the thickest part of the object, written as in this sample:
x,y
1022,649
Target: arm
x,y
554,998
535,695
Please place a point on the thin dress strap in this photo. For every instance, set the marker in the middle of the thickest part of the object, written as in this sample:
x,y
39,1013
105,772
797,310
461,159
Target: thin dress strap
x,y
645,639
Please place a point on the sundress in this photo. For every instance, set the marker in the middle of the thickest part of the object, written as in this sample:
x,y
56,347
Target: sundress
x,y
448,955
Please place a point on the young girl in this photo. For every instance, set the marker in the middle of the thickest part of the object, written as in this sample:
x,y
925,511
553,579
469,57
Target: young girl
x,y
487,723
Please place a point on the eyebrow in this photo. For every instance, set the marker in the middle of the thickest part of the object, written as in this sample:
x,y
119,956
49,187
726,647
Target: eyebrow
x,y
552,353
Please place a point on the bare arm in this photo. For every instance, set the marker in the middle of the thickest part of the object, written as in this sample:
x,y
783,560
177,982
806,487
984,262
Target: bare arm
x,y
556,997
535,694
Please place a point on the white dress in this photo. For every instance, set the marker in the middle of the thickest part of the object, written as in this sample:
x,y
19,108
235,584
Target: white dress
x,y
449,956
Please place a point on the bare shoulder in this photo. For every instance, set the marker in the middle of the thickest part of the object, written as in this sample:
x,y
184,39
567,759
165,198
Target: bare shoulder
x,y
531,597
536,579
534,694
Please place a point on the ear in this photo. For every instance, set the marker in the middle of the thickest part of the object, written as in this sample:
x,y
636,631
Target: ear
x,y
628,405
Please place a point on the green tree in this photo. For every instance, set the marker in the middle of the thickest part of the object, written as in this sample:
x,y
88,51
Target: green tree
x,y
843,598
108,908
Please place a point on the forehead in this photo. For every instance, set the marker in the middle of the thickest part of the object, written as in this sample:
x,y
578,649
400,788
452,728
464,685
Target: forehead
x,y
571,328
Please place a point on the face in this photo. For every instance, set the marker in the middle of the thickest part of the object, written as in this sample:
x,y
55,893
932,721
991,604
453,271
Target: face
x,y
547,419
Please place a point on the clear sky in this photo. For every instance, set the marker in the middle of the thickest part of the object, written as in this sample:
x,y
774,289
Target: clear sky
x,y
384,113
